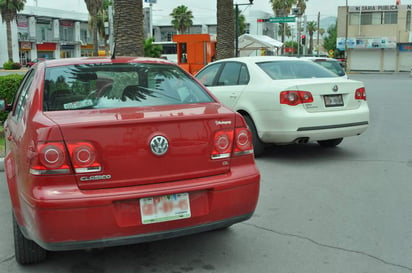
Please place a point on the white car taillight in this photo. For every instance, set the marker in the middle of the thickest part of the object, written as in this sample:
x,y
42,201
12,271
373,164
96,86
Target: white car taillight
x,y
360,94
295,97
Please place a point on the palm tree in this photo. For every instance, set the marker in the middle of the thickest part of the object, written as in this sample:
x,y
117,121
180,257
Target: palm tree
x,y
128,27
241,22
282,9
182,18
225,47
152,50
285,29
8,11
311,27
94,6
102,17
302,6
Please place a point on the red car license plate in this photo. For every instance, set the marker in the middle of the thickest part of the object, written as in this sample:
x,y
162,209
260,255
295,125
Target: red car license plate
x,y
165,208
333,100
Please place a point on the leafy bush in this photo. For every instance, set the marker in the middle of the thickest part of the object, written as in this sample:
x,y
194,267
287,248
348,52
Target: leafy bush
x,y
10,65
8,87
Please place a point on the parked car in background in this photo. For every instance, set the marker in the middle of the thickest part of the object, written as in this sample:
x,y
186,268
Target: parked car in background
x,y
331,64
34,61
103,152
288,100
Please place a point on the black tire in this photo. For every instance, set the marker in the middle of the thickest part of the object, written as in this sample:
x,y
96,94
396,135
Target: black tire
x,y
258,145
330,142
26,251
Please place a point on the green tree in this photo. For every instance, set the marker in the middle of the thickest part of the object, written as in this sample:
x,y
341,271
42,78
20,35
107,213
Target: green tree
x,y
241,22
284,29
225,47
311,27
301,4
128,27
282,9
329,42
8,11
182,18
94,6
151,50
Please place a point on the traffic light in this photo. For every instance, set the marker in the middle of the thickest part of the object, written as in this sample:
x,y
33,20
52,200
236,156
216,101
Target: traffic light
x,y
303,39
262,20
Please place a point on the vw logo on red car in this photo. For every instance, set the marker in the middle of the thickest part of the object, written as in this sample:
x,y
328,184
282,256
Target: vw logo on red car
x,y
159,145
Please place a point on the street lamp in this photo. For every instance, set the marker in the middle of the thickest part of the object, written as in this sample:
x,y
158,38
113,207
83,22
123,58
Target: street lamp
x,y
237,26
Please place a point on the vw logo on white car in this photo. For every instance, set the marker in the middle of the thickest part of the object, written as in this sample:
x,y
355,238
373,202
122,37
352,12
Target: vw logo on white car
x,y
159,145
335,88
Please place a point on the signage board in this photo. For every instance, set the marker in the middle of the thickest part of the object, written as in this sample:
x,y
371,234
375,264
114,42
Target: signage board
x,y
282,19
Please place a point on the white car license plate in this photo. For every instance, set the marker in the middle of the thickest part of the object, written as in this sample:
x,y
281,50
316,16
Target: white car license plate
x,y
333,100
165,208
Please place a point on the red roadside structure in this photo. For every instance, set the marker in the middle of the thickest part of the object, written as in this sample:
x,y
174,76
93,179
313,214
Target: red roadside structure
x,y
194,51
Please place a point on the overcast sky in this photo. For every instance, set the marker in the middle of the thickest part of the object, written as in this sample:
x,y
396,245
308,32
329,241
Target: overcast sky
x,y
201,8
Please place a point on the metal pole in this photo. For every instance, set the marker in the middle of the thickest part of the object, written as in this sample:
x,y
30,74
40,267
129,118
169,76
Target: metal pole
x,y
346,36
151,21
236,30
317,35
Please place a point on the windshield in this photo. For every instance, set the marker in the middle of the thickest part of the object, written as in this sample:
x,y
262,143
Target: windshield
x,y
333,66
284,70
96,86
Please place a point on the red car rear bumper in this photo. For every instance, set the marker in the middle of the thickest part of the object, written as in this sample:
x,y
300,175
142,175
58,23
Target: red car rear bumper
x,y
112,217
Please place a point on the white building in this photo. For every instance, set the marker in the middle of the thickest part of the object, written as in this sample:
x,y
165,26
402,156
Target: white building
x,y
42,32
47,33
379,38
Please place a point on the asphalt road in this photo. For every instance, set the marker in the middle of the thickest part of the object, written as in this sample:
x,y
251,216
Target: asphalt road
x,y
320,210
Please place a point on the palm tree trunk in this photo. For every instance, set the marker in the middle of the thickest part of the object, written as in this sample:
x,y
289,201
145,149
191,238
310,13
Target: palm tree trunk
x,y
95,41
9,41
128,28
225,29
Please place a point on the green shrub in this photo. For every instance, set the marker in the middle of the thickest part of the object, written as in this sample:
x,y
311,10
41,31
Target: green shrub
x,y
8,87
10,65
15,66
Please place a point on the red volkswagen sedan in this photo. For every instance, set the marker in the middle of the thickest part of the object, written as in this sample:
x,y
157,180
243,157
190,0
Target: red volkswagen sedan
x,y
104,152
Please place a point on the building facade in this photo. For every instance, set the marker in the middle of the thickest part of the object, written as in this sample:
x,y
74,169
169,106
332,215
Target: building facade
x,y
47,33
378,38
50,33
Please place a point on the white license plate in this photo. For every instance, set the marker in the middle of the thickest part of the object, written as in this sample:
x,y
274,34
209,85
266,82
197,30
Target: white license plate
x,y
165,208
333,100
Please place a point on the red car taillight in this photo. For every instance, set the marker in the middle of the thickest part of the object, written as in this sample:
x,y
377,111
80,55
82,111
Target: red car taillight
x,y
223,142
295,97
243,143
360,94
83,156
53,158
237,142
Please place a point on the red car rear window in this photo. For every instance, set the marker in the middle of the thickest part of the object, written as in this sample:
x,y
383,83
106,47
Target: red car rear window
x,y
94,86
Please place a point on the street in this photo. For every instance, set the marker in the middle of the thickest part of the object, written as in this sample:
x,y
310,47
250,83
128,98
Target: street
x,y
320,210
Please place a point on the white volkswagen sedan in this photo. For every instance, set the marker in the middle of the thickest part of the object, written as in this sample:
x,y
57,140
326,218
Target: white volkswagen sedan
x,y
289,100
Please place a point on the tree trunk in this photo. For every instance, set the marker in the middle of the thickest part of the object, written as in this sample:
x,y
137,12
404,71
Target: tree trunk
x,y
225,30
128,28
95,41
9,41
